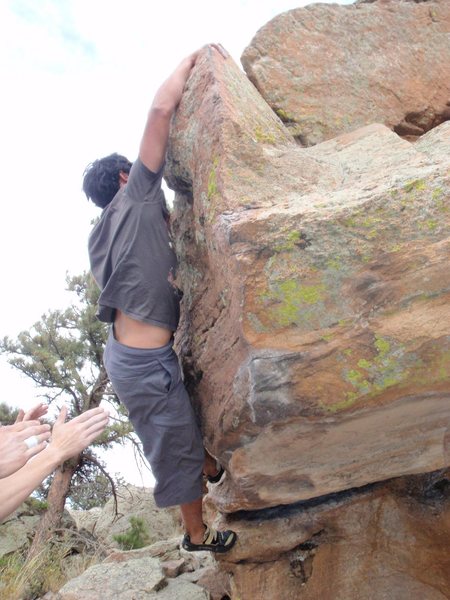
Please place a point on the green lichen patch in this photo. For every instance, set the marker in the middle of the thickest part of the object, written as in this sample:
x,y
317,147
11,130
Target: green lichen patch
x,y
335,264
437,194
415,210
287,302
263,136
443,366
436,368
350,222
430,224
368,226
285,116
382,345
345,322
212,193
212,179
350,399
441,200
416,185
327,337
390,365
364,364
290,242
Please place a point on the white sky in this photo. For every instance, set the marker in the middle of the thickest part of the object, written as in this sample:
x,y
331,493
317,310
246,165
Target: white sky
x,y
77,78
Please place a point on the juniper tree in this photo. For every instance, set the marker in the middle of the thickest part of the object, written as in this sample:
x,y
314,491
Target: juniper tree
x,y
8,414
62,353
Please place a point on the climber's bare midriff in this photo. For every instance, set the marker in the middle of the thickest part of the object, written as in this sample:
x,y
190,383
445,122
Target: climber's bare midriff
x,y
137,334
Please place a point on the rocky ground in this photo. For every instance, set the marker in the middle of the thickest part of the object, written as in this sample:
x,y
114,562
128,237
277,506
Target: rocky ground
x,y
161,570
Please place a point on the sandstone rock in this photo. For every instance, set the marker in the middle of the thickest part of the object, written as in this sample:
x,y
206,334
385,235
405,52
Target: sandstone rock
x,y
139,502
196,561
168,551
316,307
173,568
17,533
180,590
136,579
216,582
384,542
164,550
131,580
86,519
329,69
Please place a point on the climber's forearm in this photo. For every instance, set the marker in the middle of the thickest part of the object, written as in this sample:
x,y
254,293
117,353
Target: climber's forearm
x,y
156,133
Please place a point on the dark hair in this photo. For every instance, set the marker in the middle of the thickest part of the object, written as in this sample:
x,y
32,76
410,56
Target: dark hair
x,y
101,178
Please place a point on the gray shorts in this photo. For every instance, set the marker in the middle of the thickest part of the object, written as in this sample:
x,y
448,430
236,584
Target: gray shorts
x,y
149,383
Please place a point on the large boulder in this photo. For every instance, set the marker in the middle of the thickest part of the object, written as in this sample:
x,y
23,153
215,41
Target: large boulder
x,y
329,69
132,501
138,578
154,572
17,531
383,542
316,307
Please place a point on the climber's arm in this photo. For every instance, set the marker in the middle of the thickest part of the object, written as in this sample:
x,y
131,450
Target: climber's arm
x,y
156,133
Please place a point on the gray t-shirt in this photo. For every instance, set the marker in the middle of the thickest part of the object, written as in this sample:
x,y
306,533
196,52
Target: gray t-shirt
x,y
131,256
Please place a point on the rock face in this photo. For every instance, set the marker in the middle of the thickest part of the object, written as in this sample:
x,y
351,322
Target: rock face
x,y
317,291
316,329
384,542
328,69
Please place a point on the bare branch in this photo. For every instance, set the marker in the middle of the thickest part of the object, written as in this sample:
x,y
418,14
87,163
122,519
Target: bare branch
x,y
91,458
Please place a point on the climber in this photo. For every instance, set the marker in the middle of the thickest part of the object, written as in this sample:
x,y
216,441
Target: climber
x,y
134,266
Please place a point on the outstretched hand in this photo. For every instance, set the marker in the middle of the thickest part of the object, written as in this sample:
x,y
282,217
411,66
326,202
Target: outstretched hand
x,y
33,414
154,141
14,451
72,437
218,47
68,440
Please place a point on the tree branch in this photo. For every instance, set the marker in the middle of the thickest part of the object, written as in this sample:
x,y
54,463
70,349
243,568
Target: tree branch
x,y
91,458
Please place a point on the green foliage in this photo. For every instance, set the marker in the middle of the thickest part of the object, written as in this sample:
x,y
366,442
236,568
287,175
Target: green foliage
x,y
36,504
63,354
8,414
90,488
136,537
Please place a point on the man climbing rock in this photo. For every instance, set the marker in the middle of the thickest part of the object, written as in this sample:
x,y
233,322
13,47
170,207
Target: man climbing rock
x,y
134,265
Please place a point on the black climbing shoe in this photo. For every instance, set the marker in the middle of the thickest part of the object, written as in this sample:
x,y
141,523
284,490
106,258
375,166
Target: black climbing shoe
x,y
217,477
214,541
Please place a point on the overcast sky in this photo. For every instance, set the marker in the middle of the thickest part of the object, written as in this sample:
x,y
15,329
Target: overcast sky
x,y
77,78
